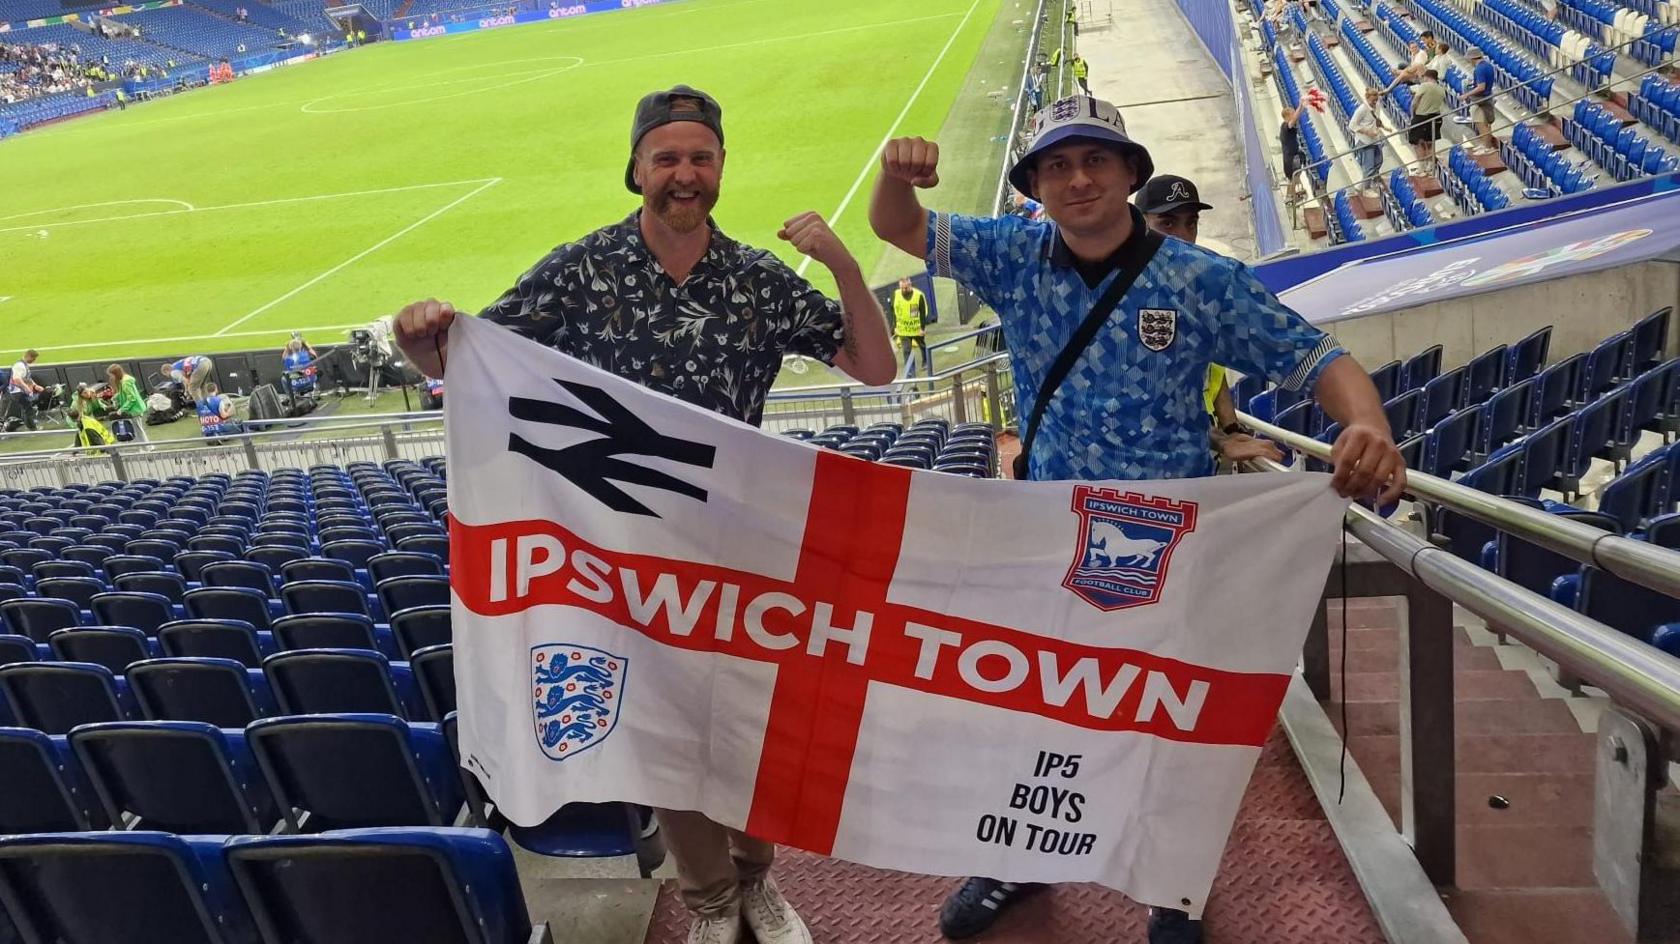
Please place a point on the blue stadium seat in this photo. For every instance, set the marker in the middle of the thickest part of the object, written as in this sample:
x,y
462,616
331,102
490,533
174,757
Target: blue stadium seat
x,y
240,573
55,569
1607,364
442,886
143,611
1536,568
236,603
1484,374
119,564
114,647
1544,454
326,681
329,630
336,771
122,888
45,791
216,639
434,674
1648,338
1556,390
276,557
18,649
402,564
1403,413
325,596
1451,442
403,593
1503,417
221,692
1663,531
1634,496
317,568
1625,605
167,584
175,776
1442,394
419,627
78,590
56,696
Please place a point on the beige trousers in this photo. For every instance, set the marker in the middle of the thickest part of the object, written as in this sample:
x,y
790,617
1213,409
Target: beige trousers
x,y
713,861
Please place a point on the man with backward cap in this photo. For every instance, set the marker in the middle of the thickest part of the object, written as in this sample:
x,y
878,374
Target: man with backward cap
x,y
665,299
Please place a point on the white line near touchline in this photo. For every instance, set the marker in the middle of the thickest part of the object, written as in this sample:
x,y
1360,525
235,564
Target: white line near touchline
x,y
180,340
892,129
231,206
493,181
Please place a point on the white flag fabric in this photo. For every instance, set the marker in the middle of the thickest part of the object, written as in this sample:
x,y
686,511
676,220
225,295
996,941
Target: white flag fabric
x,y
1033,681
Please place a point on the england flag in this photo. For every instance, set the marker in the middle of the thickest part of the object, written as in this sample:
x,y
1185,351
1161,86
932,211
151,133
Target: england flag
x,y
1033,681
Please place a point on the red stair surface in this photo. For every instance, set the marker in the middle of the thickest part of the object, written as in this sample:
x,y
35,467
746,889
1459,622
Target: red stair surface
x,y
1283,881
1524,871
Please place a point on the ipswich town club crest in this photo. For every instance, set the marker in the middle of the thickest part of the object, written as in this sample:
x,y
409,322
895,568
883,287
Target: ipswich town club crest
x,y
1126,540
1157,327
575,696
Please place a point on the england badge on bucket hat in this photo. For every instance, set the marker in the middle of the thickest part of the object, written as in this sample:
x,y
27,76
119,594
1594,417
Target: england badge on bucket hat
x,y
1079,117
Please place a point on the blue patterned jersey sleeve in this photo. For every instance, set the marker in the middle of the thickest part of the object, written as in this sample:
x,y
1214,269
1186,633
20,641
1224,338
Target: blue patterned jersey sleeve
x,y
1261,335
969,250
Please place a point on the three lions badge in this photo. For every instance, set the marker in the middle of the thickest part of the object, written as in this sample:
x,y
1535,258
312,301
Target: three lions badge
x,y
1157,327
576,694
1126,541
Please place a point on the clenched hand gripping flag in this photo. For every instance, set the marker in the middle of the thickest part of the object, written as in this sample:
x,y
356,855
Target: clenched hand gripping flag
x,y
1048,681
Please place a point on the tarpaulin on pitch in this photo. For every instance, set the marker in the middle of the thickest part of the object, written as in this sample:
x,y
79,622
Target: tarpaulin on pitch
x,y
1047,681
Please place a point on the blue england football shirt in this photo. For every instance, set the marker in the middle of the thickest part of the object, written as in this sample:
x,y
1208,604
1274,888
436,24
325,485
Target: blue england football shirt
x,y
1131,407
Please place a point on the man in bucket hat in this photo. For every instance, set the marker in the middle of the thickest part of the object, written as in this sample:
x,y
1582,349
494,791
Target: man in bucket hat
x,y
1156,311
665,299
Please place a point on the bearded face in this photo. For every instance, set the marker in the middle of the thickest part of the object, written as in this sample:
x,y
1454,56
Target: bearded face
x,y
679,167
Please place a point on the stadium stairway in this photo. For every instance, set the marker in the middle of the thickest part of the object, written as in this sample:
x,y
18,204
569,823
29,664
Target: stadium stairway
x,y
1524,781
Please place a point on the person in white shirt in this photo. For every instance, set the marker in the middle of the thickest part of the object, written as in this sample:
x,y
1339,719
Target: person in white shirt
x,y
1368,131
1412,72
24,390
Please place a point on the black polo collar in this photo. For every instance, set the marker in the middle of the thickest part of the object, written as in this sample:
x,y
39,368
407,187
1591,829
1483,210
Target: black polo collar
x,y
1127,253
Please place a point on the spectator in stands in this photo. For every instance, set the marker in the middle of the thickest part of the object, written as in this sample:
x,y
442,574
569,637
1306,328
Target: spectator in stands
x,y
1294,154
665,299
192,373
23,389
89,431
910,316
1442,53
1082,73
1411,72
1134,409
126,399
1172,206
215,414
1368,131
1479,96
1429,101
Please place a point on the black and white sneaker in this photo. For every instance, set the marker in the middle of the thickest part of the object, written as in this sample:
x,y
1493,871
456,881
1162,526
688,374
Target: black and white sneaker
x,y
975,906
1171,926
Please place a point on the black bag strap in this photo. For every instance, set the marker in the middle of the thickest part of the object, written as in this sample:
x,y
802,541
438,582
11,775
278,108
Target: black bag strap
x,y
1082,338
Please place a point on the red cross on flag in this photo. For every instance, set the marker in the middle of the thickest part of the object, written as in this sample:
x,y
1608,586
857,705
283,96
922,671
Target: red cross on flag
x,y
1047,681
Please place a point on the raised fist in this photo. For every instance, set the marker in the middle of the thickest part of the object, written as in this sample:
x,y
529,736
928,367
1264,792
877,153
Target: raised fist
x,y
912,160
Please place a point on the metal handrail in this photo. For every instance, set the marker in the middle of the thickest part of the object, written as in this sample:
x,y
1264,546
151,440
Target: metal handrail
x,y
1644,564
834,389
1638,676
367,421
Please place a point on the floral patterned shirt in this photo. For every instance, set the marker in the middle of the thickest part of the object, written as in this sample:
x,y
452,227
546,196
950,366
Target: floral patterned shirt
x,y
716,340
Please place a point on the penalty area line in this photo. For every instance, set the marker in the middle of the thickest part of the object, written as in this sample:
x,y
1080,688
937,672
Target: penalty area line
x,y
365,252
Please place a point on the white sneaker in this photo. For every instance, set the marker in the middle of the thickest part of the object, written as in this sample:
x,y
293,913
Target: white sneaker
x,y
720,929
772,919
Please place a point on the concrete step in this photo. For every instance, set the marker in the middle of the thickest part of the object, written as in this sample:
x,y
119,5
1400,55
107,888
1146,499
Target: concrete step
x,y
1538,916
1468,685
1509,716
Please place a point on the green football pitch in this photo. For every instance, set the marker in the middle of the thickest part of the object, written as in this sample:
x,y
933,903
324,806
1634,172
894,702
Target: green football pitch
x,y
325,195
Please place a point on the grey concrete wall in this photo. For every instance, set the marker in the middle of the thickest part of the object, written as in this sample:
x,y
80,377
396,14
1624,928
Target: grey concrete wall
x,y
1583,309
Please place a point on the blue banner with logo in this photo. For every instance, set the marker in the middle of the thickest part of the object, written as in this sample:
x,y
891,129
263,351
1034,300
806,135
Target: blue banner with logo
x,y
1646,227
557,11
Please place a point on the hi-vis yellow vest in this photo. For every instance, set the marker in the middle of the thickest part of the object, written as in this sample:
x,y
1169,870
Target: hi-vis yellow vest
x,y
907,313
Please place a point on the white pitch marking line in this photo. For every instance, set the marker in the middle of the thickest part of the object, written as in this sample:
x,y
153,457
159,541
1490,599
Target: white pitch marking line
x,y
875,155
182,340
493,181
247,206
90,206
